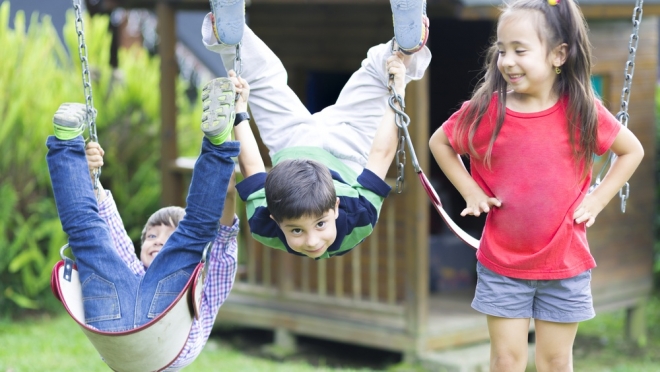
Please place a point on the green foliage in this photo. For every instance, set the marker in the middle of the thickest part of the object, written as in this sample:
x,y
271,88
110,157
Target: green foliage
x,y
37,74
657,183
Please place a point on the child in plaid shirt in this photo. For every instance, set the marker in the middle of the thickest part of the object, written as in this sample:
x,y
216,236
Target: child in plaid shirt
x,y
121,292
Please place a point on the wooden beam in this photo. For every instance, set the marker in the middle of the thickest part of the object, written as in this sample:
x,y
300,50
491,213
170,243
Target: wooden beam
x,y
172,182
590,12
417,243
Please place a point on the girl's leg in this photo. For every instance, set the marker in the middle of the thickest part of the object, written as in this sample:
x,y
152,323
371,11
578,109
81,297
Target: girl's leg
x,y
508,343
183,250
103,275
283,120
558,308
554,346
353,120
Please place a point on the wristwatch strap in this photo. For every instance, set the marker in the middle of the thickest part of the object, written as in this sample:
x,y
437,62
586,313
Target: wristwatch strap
x,y
240,117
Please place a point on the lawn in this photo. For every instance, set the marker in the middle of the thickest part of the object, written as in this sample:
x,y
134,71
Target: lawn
x,y
55,343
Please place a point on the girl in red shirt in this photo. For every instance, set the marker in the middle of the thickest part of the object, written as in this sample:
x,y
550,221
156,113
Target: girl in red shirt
x,y
531,130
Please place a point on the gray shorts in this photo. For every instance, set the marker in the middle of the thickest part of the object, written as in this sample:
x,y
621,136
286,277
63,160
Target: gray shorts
x,y
563,301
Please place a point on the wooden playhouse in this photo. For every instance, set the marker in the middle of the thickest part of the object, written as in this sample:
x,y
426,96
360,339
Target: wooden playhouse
x,y
408,287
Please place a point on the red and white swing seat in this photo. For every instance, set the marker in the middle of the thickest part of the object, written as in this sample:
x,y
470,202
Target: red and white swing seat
x,y
435,200
151,347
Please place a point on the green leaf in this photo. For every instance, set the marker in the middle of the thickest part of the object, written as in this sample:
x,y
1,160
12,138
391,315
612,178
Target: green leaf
x,y
21,300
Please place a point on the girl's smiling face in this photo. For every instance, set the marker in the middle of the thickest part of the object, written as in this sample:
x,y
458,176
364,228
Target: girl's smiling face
x,y
523,59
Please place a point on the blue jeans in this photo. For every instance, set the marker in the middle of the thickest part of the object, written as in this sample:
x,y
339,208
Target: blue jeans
x,y
114,298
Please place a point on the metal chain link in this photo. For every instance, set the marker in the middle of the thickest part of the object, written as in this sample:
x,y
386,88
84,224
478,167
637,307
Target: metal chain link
x,y
90,117
402,121
622,115
238,65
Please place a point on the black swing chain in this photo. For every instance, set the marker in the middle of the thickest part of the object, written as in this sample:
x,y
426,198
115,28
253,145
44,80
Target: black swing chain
x,y
402,121
238,63
622,115
90,117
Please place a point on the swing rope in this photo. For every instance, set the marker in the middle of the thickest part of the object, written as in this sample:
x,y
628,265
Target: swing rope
x,y
622,115
90,112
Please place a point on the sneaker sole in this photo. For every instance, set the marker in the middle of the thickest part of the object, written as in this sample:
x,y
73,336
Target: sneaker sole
x,y
218,97
229,20
70,115
408,22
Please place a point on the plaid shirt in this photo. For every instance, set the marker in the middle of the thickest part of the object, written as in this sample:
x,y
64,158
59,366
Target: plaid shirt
x,y
219,280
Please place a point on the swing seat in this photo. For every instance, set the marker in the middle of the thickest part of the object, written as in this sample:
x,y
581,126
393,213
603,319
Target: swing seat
x,y
435,199
151,347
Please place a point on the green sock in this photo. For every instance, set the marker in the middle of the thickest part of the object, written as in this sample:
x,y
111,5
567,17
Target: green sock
x,y
67,133
223,136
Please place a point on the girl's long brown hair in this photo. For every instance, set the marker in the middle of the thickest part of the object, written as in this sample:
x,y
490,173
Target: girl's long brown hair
x,y
562,23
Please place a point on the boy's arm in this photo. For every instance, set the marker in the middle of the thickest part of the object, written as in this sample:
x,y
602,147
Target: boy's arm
x,y
449,161
229,209
629,152
249,159
385,141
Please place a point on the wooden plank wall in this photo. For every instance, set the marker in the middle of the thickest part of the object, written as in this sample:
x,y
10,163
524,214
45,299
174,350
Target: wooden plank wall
x,y
332,39
623,243
321,37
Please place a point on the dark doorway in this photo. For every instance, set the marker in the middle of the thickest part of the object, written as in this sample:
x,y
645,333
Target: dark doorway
x,y
458,55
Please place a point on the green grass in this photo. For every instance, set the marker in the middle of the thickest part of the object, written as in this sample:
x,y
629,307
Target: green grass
x,y
55,343
601,345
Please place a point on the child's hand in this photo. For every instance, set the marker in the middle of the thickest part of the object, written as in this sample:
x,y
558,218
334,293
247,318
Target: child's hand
x,y
396,67
94,154
480,203
242,90
588,210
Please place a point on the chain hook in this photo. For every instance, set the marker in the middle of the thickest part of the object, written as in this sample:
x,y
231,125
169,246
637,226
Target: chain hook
x,y
402,121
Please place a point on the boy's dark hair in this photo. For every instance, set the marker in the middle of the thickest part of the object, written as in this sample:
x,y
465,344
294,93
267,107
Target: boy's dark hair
x,y
299,187
168,216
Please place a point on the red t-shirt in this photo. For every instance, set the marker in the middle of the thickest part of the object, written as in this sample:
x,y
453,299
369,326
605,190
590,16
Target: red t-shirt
x,y
533,173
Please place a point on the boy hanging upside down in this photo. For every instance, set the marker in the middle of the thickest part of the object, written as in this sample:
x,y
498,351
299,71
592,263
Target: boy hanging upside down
x,y
325,190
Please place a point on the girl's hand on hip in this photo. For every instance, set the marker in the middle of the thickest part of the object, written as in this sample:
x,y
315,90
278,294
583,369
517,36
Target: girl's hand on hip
x,y
588,210
478,204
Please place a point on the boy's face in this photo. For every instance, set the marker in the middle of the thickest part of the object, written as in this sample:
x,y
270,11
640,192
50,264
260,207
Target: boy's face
x,y
311,236
154,240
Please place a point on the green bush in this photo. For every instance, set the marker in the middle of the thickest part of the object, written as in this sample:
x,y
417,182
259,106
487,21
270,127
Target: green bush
x,y
657,183
37,74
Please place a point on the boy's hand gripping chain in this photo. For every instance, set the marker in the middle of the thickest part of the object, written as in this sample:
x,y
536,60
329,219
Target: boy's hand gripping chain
x,y
90,117
623,115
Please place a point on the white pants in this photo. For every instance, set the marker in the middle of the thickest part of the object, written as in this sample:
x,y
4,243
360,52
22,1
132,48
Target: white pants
x,y
345,129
